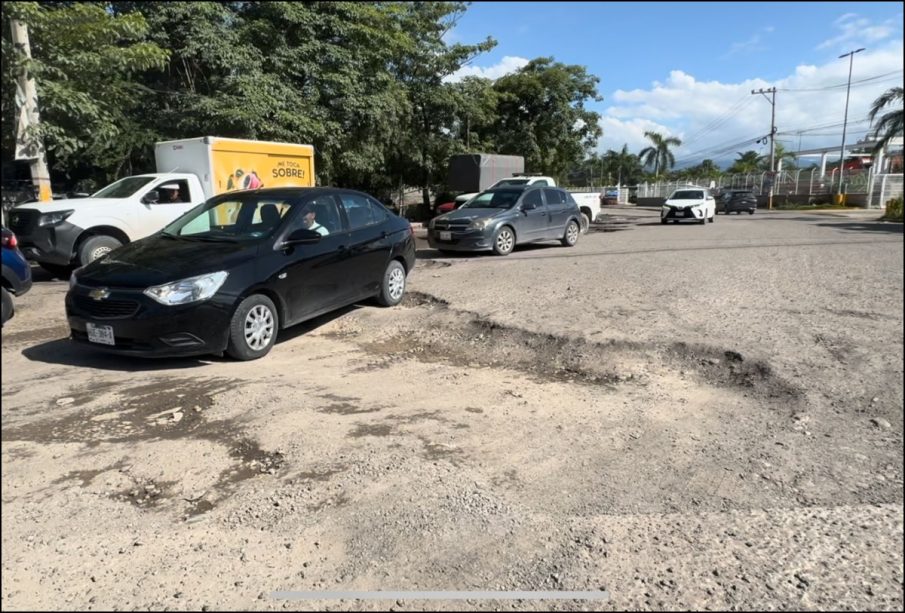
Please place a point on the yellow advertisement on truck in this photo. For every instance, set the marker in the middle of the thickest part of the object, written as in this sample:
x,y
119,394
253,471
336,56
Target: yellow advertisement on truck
x,y
229,164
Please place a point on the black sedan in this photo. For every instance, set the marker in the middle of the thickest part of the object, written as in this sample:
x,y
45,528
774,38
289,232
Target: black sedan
x,y
231,273
737,201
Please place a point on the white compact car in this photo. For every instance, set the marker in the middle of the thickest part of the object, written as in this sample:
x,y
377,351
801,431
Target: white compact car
x,y
689,203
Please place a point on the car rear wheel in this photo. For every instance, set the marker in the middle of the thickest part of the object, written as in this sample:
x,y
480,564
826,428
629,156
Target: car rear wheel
x,y
570,238
97,247
504,241
392,288
253,329
7,306
751,212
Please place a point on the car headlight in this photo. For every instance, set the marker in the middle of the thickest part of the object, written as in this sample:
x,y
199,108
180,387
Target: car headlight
x,y
697,204
478,224
430,225
52,219
188,290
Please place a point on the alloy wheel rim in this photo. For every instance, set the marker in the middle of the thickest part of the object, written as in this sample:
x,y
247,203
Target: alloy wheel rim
x,y
572,233
504,240
258,327
396,283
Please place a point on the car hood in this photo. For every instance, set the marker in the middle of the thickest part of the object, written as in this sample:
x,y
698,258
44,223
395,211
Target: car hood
x,y
157,259
69,204
472,214
682,204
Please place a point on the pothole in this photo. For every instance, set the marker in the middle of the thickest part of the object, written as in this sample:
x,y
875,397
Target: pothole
x,y
464,338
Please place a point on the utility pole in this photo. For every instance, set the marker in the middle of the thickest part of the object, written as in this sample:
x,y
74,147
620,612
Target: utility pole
x,y
28,148
851,59
772,102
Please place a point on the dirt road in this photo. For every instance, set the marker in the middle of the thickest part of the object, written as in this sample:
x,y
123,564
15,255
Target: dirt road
x,y
683,416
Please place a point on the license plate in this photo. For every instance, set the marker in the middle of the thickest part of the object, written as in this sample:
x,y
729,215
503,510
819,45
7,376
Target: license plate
x,y
100,334
446,236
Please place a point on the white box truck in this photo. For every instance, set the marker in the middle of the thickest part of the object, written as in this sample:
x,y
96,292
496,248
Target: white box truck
x,y
62,233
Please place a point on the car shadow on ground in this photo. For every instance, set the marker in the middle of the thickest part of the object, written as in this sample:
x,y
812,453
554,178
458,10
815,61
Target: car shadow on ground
x,y
65,352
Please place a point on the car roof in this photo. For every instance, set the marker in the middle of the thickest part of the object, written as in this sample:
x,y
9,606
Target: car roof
x,y
290,190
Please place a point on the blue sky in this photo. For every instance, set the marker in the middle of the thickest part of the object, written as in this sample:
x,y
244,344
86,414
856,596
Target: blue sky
x,y
687,69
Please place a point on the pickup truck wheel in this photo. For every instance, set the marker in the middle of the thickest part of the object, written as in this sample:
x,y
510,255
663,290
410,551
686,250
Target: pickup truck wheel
x,y
253,328
504,241
571,235
7,306
97,247
585,222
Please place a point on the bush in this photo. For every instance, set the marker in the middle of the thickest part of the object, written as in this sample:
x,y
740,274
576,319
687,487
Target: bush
x,y
893,209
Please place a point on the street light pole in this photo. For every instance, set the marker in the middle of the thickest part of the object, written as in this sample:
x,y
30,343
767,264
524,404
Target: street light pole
x,y
851,60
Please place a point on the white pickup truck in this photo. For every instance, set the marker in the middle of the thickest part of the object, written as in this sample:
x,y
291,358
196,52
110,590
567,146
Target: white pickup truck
x,y
62,233
59,233
588,202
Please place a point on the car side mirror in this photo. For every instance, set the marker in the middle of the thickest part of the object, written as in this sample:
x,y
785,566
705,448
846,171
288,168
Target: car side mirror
x,y
528,206
152,197
302,236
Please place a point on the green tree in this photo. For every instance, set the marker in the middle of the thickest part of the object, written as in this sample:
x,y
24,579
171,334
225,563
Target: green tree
x,y
85,61
658,155
779,153
624,167
891,123
420,152
746,162
542,115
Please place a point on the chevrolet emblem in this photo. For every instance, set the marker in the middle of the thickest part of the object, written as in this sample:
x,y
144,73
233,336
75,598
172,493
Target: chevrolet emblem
x,y
100,293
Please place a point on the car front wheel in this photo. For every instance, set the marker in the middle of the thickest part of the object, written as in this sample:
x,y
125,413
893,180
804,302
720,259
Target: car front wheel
x,y
97,247
504,241
253,328
392,288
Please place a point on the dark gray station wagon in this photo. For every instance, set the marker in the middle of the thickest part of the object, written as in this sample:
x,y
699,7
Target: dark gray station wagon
x,y
501,218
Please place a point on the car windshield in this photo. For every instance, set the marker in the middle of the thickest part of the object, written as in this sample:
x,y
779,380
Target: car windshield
x,y
688,194
123,188
505,182
234,218
503,199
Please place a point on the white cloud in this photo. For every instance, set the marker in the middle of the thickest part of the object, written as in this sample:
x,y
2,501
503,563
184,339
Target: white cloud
x,y
859,31
710,115
505,66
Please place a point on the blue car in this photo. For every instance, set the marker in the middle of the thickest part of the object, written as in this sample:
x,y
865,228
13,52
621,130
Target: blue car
x,y
16,273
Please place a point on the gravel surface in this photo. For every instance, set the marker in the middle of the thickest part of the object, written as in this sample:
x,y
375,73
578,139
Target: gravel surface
x,y
684,416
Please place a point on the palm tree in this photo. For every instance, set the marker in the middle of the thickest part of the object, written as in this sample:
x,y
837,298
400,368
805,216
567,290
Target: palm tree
x,y
745,163
622,164
659,156
779,153
891,123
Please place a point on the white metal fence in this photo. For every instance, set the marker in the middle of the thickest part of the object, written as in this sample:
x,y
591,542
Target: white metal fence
x,y
877,188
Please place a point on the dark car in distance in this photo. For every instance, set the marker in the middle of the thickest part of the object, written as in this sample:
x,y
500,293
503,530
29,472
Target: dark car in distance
x,y
234,271
500,218
737,201
16,273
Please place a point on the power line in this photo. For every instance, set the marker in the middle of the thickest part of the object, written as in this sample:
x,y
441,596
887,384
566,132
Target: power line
x,y
841,85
